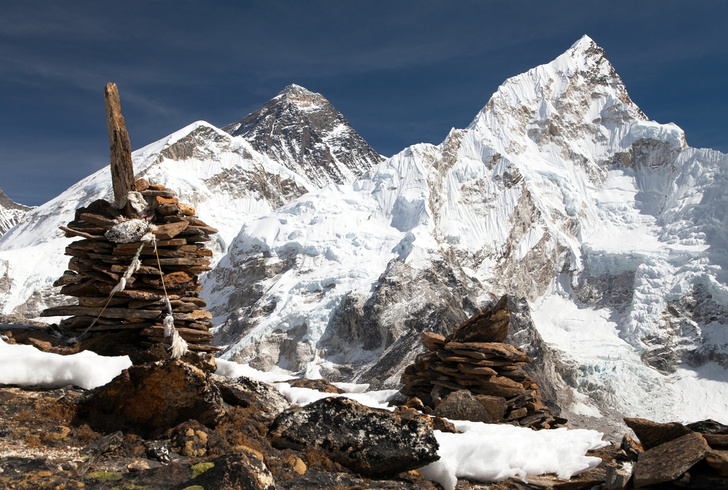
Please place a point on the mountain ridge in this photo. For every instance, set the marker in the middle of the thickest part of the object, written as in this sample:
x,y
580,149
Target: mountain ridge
x,y
10,213
221,175
561,192
603,226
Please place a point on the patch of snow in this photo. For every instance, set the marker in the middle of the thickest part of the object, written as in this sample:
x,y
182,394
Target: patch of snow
x,y
24,365
489,452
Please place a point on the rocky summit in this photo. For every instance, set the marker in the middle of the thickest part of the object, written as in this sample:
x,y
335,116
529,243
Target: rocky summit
x,y
10,213
304,131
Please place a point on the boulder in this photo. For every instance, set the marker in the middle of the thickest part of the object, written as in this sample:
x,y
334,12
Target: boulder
x,y
233,472
244,392
371,442
666,462
708,427
652,434
151,398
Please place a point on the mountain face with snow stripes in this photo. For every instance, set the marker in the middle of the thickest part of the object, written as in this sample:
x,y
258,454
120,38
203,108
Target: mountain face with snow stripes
x,y
606,229
603,225
10,213
306,133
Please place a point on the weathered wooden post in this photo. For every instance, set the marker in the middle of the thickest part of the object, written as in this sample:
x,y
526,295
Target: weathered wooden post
x,y
122,170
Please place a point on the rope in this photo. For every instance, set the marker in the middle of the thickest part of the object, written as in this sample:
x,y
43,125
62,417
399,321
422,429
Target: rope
x,y
80,337
179,346
117,288
161,274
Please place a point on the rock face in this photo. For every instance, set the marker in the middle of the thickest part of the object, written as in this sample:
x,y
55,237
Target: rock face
x,y
10,213
474,359
369,441
136,270
305,132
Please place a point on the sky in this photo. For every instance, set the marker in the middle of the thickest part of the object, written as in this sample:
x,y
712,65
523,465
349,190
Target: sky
x,y
401,72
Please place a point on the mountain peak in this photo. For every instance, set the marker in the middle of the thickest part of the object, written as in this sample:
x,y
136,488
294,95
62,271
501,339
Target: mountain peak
x,y
294,90
302,98
563,97
304,131
584,44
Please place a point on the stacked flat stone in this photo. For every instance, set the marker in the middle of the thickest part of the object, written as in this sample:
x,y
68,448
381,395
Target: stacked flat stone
x,y
98,264
474,358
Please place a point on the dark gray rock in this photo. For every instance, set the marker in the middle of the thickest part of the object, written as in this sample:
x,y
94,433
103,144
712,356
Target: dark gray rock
x,y
708,427
304,132
233,472
245,392
370,441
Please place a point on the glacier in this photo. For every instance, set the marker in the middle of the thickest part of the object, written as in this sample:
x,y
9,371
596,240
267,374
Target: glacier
x,y
561,191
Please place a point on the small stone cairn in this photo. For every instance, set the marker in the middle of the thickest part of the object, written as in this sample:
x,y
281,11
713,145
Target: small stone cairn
x,y
474,363
167,240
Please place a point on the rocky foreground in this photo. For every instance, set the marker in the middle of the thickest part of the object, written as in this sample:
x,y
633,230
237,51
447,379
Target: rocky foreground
x,y
175,424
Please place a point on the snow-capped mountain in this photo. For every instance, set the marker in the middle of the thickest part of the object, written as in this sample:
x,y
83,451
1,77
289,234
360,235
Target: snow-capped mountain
x,y
302,130
10,213
221,175
606,229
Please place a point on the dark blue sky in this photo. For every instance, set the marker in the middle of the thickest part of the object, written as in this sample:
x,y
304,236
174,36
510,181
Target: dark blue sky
x,y
401,72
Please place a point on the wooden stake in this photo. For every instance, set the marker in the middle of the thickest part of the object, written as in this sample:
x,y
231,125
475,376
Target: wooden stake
x,y
122,170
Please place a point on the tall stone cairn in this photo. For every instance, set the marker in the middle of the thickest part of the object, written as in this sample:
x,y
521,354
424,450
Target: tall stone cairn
x,y
137,263
474,359
98,263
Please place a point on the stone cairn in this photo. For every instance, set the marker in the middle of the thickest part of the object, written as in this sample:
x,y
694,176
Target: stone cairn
x,y
474,359
135,270
98,264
